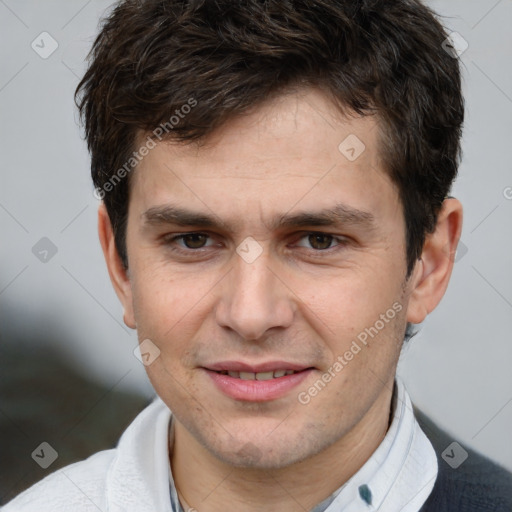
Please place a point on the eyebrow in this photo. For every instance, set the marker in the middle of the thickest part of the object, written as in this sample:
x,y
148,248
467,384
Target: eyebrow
x,y
339,215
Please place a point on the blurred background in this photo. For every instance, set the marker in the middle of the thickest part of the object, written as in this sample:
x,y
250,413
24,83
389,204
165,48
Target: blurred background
x,y
68,372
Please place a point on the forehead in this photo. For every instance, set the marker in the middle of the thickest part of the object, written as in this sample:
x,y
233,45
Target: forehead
x,y
295,151
303,123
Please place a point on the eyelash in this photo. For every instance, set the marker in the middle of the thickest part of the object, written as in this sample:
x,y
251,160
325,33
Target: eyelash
x,y
170,241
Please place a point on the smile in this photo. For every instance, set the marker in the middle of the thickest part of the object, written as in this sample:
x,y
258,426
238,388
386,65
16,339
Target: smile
x,y
258,376
257,383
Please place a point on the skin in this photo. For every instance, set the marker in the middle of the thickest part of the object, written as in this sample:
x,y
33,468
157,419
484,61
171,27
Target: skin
x,y
296,302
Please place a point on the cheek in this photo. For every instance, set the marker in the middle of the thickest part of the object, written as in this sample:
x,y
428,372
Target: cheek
x,y
163,305
360,320
344,305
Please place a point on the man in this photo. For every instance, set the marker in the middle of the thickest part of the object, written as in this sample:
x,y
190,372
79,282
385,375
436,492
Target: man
x,y
275,218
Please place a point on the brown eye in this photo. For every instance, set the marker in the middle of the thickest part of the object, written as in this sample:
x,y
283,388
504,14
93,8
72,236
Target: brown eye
x,y
320,241
194,240
317,242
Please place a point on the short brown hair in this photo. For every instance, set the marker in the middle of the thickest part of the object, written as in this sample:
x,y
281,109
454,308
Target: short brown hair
x,y
371,57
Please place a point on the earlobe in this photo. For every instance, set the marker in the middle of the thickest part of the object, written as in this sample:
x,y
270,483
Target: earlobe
x,y
118,274
433,271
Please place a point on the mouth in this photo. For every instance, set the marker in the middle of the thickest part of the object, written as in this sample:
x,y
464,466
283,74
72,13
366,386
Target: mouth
x,y
257,383
277,374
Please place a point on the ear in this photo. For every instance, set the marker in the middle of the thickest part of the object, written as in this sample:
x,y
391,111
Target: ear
x,y
118,274
432,272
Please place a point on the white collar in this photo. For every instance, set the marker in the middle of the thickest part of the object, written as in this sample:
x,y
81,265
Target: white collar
x,y
138,478
400,474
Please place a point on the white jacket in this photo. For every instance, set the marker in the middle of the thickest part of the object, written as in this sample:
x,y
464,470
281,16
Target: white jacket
x,y
135,476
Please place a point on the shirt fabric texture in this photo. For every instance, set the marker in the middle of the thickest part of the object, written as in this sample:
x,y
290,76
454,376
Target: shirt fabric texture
x,y
400,476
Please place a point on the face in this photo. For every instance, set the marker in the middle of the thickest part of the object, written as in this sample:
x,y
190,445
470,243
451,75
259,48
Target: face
x,y
270,250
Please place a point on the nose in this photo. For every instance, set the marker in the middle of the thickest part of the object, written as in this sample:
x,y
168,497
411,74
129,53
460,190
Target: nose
x,y
254,299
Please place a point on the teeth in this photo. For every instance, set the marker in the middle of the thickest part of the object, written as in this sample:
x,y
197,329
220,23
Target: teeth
x,y
264,375
258,376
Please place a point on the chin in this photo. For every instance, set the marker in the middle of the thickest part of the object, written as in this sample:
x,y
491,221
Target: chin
x,y
259,451
250,456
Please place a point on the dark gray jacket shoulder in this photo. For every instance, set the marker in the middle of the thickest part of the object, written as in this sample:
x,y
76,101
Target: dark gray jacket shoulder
x,y
475,485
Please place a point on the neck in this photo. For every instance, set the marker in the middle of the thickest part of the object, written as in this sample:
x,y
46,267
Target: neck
x,y
207,483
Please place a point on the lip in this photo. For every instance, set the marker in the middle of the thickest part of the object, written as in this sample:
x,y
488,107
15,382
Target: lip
x,y
257,390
